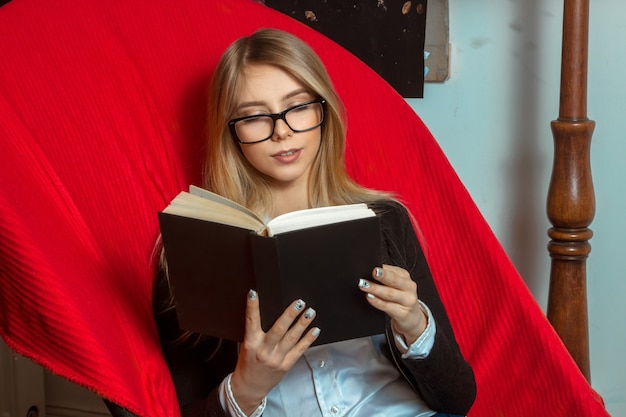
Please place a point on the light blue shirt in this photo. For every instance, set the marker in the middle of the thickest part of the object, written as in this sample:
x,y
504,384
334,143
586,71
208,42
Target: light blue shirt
x,y
345,379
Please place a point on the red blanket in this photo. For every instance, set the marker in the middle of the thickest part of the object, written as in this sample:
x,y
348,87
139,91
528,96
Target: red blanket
x,y
102,106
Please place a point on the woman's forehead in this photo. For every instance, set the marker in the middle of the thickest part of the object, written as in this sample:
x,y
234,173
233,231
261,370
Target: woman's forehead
x,y
261,83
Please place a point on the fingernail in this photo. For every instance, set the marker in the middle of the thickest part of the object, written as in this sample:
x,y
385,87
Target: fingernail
x,y
299,305
316,331
370,296
252,295
309,313
378,272
364,283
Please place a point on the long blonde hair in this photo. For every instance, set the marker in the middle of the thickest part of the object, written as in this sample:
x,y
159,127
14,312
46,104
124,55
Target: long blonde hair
x,y
226,170
228,173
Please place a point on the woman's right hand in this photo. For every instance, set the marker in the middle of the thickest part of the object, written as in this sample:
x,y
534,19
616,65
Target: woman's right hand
x,y
264,358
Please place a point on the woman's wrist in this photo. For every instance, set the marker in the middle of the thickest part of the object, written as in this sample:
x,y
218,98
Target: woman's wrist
x,y
412,337
420,347
246,401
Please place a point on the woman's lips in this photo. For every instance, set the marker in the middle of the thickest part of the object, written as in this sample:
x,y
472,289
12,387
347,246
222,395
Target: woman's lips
x,y
287,156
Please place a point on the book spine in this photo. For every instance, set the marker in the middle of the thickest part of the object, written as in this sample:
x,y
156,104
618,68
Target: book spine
x,y
265,258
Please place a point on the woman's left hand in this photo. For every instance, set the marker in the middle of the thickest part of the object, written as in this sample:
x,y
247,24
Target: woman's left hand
x,y
396,295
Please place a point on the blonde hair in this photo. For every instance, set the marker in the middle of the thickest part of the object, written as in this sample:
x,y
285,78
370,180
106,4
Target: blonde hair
x,y
226,170
228,173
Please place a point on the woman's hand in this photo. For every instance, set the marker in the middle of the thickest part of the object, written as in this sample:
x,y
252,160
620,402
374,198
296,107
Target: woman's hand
x,y
265,358
397,296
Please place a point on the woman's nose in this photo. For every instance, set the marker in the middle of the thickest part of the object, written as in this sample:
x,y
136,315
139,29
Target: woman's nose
x,y
281,130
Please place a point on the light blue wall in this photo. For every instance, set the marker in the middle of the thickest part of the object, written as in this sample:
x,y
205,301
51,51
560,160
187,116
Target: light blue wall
x,y
492,119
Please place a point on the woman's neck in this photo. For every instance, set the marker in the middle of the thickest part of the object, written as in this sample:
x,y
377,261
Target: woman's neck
x,y
290,199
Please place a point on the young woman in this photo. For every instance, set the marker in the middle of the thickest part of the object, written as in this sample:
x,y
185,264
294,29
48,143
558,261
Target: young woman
x,y
276,144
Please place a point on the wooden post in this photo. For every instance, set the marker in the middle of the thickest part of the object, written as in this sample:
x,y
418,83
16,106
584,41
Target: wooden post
x,y
571,199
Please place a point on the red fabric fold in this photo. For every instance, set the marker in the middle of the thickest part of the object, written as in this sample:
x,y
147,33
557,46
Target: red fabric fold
x,y
102,109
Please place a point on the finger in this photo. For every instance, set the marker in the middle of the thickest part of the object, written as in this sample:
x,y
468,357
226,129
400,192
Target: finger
x,y
303,344
384,296
253,316
393,309
393,276
284,322
294,334
388,293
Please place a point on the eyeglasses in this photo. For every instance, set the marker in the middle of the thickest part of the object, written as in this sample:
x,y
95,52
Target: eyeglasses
x,y
260,127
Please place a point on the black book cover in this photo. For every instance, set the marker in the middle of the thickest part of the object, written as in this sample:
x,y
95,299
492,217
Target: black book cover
x,y
322,265
210,272
212,267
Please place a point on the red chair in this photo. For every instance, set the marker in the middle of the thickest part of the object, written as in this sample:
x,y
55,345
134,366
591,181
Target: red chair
x,y
102,108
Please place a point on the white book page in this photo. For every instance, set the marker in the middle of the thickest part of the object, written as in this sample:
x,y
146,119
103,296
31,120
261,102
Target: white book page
x,y
201,192
194,206
303,219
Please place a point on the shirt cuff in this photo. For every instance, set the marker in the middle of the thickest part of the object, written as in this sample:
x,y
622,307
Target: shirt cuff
x,y
227,399
424,344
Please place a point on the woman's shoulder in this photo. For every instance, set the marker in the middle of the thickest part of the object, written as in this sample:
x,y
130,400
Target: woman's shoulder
x,y
395,219
390,210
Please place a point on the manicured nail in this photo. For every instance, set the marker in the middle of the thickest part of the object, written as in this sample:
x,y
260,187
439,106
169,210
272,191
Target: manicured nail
x,y
309,313
364,283
252,295
379,272
316,331
370,296
299,305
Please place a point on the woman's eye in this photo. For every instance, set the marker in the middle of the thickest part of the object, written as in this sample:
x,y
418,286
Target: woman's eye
x,y
253,119
301,107
253,113
250,111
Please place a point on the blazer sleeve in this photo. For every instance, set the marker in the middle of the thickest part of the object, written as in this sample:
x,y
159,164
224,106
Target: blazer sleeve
x,y
444,378
197,364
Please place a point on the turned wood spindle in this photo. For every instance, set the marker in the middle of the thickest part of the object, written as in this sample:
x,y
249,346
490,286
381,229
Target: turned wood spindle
x,y
571,199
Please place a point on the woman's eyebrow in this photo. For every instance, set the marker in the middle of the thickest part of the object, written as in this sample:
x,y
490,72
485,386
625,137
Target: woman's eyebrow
x,y
250,104
261,103
295,93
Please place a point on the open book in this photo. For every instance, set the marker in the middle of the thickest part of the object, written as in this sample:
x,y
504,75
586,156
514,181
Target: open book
x,y
217,250
202,204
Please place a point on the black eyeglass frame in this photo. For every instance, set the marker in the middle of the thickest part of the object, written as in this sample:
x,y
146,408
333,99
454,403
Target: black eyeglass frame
x,y
275,117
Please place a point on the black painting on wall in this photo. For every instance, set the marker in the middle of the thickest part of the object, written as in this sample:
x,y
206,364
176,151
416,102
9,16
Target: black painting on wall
x,y
388,35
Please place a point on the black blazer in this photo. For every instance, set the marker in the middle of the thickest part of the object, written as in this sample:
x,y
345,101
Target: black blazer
x,y
443,379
